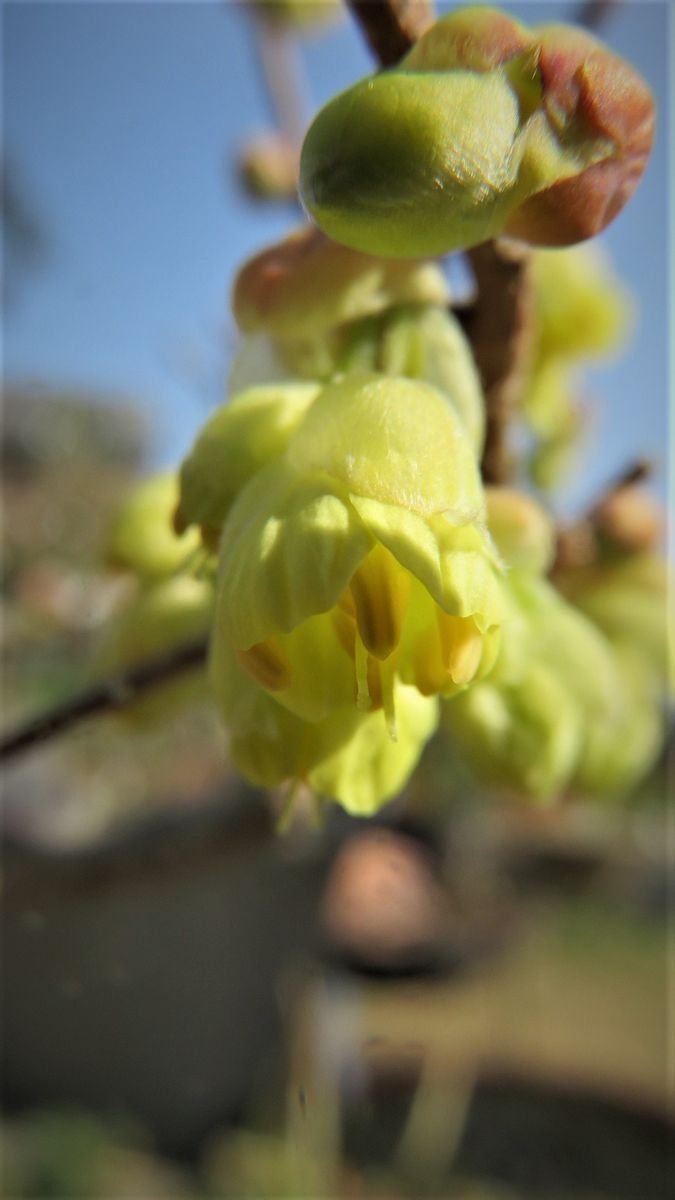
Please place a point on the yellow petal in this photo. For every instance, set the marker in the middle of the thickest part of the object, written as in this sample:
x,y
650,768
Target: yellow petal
x,y
393,440
289,550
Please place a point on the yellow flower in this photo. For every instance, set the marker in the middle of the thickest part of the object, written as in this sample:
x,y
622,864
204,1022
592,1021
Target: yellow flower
x,y
360,557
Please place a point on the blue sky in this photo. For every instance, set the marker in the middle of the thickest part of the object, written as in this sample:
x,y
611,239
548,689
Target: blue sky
x,y
123,121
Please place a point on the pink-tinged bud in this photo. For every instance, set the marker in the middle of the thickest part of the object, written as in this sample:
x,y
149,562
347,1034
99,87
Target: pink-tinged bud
x,y
308,284
630,518
596,102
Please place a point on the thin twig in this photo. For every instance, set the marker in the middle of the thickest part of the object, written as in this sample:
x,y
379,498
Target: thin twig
x,y
499,327
283,74
110,695
391,27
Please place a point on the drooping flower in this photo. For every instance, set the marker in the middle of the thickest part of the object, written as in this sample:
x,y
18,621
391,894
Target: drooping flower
x,y
564,708
347,755
359,558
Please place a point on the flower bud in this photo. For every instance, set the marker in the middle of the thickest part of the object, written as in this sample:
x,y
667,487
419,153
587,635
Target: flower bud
x,y
269,168
348,755
521,737
484,128
630,519
563,710
236,441
161,616
142,538
523,532
307,285
627,598
300,15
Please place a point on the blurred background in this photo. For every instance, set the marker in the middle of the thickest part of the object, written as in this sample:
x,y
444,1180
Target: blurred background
x,y
462,999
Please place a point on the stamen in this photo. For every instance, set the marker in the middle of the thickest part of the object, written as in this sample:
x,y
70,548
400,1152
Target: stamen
x,y
363,702
380,591
285,818
462,646
267,664
387,674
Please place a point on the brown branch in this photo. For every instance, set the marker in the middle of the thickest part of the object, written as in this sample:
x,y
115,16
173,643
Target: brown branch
x,y
391,27
112,694
499,328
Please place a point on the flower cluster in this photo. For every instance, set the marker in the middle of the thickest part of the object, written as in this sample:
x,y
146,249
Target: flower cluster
x,y
361,581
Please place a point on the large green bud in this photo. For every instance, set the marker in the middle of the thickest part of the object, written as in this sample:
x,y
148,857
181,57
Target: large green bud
x,y
486,127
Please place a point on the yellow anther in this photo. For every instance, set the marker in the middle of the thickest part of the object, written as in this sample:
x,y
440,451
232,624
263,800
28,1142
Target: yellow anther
x,y
380,590
267,664
461,646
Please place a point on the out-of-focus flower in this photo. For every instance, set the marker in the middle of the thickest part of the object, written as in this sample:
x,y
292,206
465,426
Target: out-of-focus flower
x,y
580,311
239,438
307,285
523,532
313,309
302,15
565,708
485,127
162,615
142,538
269,167
627,597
